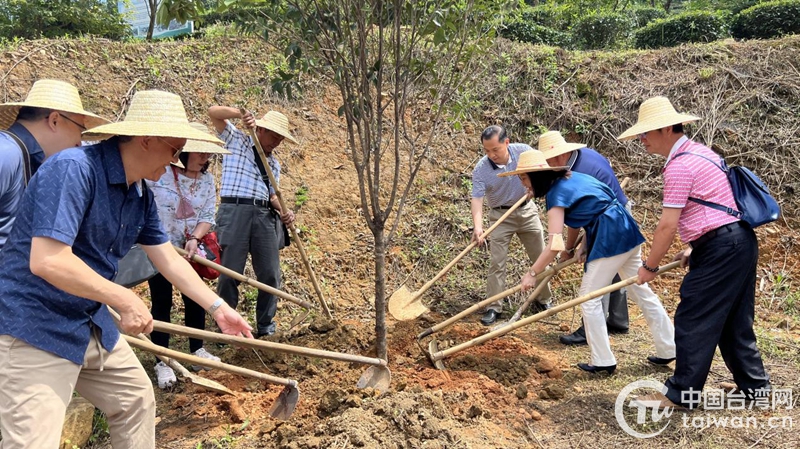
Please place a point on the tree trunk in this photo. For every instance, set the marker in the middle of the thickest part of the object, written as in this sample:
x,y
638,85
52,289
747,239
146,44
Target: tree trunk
x,y
380,292
152,9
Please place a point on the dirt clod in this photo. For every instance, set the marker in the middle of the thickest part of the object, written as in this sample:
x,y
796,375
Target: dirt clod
x,y
522,391
474,411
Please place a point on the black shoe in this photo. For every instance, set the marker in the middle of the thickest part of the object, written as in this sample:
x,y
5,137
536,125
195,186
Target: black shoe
x,y
597,369
659,361
267,331
577,338
537,307
617,330
489,317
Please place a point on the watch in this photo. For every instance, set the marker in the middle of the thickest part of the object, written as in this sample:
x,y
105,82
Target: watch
x,y
217,304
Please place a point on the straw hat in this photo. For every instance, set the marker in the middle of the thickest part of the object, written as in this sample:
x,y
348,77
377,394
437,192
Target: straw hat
x,y
531,161
50,94
196,146
154,113
552,144
277,122
656,113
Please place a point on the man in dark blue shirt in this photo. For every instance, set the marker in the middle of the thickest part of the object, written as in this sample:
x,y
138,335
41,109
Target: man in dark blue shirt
x,y
585,160
49,120
80,214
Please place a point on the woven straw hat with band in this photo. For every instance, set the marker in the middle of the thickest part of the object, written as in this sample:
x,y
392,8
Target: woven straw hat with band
x,y
154,113
552,144
531,161
50,94
196,146
656,113
276,122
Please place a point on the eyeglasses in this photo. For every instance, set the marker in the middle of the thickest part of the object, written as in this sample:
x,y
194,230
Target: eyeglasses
x,y
83,128
642,135
178,151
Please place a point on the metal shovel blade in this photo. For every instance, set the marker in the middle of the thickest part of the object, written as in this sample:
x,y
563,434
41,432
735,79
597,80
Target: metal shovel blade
x,y
433,348
299,318
405,305
207,384
284,405
376,377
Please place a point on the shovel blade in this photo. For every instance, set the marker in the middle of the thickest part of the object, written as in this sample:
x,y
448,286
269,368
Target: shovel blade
x,y
433,348
284,405
299,318
375,377
208,384
405,305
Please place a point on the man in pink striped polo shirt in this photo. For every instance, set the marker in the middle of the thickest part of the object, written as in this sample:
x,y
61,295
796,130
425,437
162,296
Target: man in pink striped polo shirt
x,y
718,294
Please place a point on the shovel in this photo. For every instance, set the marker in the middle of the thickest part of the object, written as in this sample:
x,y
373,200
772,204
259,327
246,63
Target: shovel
x,y
282,408
206,384
437,356
405,305
377,376
295,237
518,314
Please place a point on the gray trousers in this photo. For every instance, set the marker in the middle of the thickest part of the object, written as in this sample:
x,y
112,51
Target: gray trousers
x,y
243,229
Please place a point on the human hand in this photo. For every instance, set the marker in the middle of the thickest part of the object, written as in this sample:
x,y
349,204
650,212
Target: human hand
x,y
566,255
583,252
287,218
528,281
248,120
134,316
477,236
645,276
683,256
231,323
191,248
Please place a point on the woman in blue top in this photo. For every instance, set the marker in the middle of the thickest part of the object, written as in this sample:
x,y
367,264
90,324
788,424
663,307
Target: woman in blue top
x,y
612,246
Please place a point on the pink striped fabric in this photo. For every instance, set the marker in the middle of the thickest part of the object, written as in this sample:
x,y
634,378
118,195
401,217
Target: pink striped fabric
x,y
696,177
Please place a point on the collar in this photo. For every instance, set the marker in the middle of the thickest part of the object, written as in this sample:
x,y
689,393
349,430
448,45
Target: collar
x,y
675,148
112,161
34,149
572,159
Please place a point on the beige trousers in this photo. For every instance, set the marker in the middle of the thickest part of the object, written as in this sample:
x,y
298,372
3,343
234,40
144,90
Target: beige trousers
x,y
525,223
36,387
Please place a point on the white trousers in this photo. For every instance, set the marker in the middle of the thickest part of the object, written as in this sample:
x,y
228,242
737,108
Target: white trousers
x,y
599,274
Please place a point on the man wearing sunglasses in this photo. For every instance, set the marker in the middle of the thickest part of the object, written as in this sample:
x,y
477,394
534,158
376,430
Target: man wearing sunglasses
x,y
50,119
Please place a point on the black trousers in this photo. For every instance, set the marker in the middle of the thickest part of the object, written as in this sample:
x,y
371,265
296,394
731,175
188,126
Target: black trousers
x,y
717,309
243,229
161,300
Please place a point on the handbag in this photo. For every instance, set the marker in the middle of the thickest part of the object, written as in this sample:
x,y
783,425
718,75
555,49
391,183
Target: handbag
x,y
754,203
134,268
207,248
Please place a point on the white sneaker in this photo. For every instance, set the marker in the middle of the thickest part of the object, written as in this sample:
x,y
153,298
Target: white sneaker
x,y
165,375
203,354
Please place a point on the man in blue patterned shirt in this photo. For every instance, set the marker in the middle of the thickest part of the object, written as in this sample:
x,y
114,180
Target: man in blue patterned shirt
x,y
81,213
249,210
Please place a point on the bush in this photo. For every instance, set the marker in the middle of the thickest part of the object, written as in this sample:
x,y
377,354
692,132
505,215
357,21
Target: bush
x,y
532,33
644,15
558,17
766,20
695,26
33,19
602,30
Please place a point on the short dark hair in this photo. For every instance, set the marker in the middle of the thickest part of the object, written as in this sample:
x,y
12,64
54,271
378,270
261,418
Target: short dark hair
x,y
542,181
677,128
494,130
33,114
184,158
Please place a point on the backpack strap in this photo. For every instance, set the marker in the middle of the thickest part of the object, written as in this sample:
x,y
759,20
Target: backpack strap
x,y
722,166
26,157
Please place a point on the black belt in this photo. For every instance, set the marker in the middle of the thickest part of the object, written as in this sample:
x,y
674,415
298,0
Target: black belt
x,y
730,227
240,200
509,207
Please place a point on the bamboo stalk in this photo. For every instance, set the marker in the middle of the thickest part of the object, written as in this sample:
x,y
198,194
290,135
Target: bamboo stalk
x,y
567,305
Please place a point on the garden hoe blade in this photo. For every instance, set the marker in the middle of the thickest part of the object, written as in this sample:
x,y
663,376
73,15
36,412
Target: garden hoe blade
x,y
201,382
433,348
284,405
405,305
375,377
299,318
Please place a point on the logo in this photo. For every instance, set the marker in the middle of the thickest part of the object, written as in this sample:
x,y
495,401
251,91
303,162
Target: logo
x,y
627,402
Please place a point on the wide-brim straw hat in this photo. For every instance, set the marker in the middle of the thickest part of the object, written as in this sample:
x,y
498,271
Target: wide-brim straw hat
x,y
552,144
276,122
50,94
196,146
531,161
656,113
154,113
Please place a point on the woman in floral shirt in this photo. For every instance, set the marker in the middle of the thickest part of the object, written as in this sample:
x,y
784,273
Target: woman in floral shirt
x,y
186,199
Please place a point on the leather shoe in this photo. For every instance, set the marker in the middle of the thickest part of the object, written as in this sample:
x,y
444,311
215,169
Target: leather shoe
x,y
577,338
537,307
617,330
659,361
597,369
489,317
657,400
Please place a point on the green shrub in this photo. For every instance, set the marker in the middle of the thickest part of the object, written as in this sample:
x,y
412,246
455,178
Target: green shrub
x,y
766,20
645,14
558,17
532,33
695,26
33,19
602,30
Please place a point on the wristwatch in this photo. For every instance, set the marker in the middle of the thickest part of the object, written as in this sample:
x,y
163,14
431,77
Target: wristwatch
x,y
217,304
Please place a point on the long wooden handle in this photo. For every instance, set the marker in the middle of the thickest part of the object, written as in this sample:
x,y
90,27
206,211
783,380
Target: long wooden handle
x,y
567,305
172,363
295,237
242,278
150,347
466,250
267,345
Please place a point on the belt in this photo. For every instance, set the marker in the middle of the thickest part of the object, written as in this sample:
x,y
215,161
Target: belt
x,y
509,207
240,200
703,239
